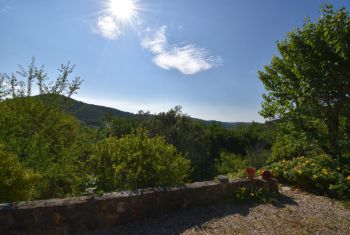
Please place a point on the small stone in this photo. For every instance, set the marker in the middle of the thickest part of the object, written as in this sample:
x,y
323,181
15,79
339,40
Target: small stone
x,y
285,188
223,179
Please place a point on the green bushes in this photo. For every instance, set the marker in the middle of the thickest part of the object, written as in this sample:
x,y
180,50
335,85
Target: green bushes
x,y
254,194
319,174
44,139
136,161
16,181
230,163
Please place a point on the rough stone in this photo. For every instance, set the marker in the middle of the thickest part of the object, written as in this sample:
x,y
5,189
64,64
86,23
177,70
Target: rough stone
x,y
82,214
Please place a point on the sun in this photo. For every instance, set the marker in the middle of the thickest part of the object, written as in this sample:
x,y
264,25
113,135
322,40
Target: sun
x,y
123,10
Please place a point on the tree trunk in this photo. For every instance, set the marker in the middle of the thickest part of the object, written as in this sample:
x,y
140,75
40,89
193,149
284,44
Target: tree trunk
x,y
333,133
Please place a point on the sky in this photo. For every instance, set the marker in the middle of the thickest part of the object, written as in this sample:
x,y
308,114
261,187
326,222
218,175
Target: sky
x,y
152,55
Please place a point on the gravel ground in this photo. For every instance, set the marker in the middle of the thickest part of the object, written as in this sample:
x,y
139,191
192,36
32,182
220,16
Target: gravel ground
x,y
295,212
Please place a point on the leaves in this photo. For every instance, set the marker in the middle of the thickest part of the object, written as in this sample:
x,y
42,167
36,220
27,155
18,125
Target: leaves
x,y
137,161
310,78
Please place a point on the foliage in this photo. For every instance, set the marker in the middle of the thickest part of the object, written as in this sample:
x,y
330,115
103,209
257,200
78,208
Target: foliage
x,y
137,161
292,142
20,83
16,181
309,82
254,194
37,131
319,174
188,136
74,159
201,144
256,140
230,163
44,139
119,126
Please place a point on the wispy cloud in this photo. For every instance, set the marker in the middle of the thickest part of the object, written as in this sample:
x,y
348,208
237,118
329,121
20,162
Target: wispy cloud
x,y
187,59
5,8
108,27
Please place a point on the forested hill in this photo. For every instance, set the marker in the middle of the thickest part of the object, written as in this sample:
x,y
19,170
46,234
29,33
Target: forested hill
x,y
93,115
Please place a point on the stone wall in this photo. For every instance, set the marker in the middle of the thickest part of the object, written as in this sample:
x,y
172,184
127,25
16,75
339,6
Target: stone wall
x,y
81,214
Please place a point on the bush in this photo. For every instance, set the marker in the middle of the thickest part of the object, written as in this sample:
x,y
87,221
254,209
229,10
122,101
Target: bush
x,y
16,181
318,174
45,139
136,161
230,163
292,142
254,194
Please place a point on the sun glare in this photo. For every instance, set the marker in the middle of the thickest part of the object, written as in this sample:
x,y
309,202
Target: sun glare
x,y
123,9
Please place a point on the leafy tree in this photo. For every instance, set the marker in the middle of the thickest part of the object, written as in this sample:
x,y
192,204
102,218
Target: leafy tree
x,y
310,79
44,139
16,181
230,163
20,83
136,161
292,142
37,131
188,136
256,140
119,126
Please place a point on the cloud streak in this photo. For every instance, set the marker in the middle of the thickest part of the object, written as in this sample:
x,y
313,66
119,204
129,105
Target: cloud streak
x,y
187,59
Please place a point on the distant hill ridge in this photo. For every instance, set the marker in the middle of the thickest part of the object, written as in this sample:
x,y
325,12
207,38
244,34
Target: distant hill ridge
x,y
93,115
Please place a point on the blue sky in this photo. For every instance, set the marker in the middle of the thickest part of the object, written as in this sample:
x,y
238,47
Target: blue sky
x,y
200,54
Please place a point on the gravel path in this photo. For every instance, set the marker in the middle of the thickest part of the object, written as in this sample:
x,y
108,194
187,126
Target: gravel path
x,y
295,212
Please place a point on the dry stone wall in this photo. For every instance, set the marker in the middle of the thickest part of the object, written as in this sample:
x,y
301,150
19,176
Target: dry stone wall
x,y
82,214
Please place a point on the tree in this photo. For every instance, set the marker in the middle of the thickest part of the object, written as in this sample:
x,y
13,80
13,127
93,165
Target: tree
x,y
16,181
188,136
20,83
256,140
136,161
42,137
310,79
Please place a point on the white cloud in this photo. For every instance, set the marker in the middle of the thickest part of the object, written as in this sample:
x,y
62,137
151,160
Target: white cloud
x,y
187,59
108,27
155,43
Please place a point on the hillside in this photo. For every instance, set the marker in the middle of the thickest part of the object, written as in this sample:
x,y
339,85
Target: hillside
x,y
93,115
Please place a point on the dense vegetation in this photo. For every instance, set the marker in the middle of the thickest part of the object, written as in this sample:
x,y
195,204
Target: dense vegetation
x,y
308,90
46,151
52,146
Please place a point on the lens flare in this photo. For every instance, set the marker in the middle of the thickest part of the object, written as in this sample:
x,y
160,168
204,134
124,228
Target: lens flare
x,y
123,10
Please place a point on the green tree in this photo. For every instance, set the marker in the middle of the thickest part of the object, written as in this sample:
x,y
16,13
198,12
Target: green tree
x,y
20,83
37,131
256,139
16,181
230,163
310,79
188,136
136,161
292,142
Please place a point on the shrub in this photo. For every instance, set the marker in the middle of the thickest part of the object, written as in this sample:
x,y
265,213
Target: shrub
x,y
254,194
230,163
291,142
16,181
45,139
137,161
318,174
